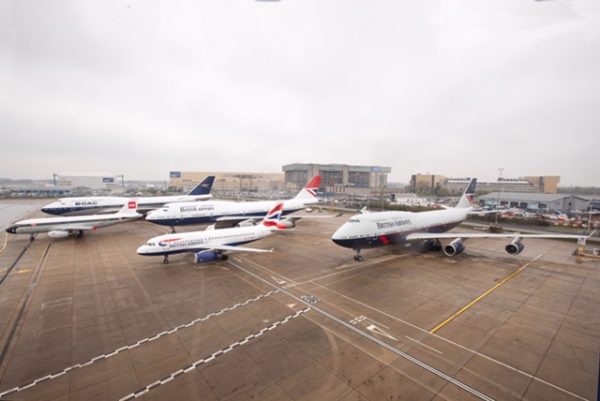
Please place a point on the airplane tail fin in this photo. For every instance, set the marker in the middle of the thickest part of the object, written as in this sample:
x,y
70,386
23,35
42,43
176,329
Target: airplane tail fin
x,y
129,208
273,218
309,192
467,198
204,187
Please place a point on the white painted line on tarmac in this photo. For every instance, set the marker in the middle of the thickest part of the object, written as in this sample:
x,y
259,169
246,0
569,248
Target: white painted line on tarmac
x,y
212,357
134,345
424,345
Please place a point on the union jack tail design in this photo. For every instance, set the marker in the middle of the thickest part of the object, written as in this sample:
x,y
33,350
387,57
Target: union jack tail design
x,y
273,217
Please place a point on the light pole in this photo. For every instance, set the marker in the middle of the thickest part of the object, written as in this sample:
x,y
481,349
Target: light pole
x,y
498,200
122,179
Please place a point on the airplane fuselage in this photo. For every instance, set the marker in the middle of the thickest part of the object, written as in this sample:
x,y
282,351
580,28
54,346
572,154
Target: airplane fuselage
x,y
34,226
176,214
371,230
110,204
202,240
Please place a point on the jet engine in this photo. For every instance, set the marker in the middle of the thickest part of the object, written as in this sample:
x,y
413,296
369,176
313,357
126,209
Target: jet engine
x,y
58,234
515,247
208,256
454,248
288,223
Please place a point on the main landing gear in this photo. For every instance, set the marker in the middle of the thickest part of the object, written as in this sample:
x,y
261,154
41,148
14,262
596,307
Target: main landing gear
x,y
166,260
432,245
224,257
173,230
358,257
80,234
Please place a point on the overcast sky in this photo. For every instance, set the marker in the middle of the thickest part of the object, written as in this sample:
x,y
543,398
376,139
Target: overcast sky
x,y
458,88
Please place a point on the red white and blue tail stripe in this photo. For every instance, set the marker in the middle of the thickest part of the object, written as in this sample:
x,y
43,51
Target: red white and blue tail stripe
x,y
310,189
273,217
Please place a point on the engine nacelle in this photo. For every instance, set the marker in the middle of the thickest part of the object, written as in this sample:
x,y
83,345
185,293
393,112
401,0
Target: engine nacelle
x,y
288,223
205,256
515,247
245,223
58,234
454,248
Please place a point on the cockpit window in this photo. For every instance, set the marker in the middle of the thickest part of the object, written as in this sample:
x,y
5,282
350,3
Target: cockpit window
x,y
354,221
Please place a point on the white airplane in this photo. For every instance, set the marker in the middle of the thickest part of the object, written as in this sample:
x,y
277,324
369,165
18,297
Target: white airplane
x,y
371,230
61,227
210,244
225,213
105,204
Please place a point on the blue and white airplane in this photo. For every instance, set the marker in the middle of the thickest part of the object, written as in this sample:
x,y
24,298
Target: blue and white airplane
x,y
227,213
372,230
210,244
108,204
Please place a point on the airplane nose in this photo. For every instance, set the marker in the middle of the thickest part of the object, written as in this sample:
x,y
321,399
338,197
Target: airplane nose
x,y
12,230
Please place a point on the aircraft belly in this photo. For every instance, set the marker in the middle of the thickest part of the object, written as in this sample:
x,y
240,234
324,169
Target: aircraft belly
x,y
371,241
442,228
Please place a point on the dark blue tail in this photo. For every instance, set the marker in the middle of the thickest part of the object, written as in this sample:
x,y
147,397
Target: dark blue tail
x,y
204,187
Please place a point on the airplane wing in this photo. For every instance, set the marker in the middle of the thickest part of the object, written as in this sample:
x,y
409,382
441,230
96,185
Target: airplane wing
x,y
238,249
231,221
418,236
77,227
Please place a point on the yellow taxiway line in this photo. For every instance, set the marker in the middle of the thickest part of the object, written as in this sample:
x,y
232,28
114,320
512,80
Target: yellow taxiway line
x,y
485,294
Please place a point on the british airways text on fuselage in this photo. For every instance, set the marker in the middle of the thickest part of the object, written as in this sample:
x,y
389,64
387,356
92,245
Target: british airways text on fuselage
x,y
392,224
186,209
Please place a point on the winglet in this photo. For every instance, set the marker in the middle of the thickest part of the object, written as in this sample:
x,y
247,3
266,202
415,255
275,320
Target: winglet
x,y
204,187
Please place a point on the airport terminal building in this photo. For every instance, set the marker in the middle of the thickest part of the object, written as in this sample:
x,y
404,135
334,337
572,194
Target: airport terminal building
x,y
337,178
433,183
535,201
228,181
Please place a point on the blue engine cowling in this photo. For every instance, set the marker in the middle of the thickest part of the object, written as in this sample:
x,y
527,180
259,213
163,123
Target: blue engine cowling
x,y
205,256
454,248
515,247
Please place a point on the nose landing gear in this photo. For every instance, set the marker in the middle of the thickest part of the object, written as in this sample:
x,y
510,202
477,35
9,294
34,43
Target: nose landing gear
x,y
358,257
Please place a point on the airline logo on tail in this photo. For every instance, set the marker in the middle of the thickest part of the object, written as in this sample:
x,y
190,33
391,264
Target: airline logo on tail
x,y
273,217
313,185
468,199
132,204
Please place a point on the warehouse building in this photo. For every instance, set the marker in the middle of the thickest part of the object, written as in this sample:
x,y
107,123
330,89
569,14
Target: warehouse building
x,y
107,182
228,181
433,183
338,178
535,201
